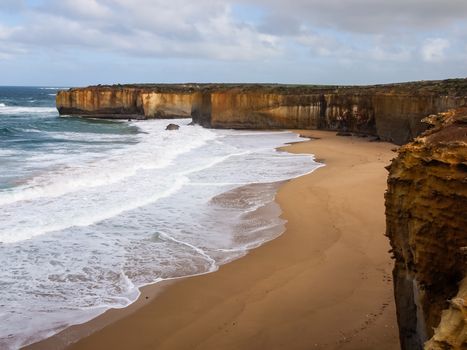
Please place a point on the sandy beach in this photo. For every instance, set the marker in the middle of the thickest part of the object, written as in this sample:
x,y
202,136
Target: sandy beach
x,y
324,284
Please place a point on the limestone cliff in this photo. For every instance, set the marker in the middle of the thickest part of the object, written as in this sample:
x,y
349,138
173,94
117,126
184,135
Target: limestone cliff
x,y
426,218
97,101
392,117
124,101
392,112
451,332
166,105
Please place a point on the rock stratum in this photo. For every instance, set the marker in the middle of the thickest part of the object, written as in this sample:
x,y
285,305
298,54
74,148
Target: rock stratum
x,y
426,205
391,112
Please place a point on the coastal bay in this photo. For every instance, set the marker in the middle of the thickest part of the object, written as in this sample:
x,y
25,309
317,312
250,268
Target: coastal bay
x,y
233,175
324,284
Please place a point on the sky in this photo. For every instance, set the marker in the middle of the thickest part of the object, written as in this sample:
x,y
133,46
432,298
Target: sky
x,y
83,42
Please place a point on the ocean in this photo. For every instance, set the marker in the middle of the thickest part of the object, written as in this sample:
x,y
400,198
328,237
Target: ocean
x,y
92,210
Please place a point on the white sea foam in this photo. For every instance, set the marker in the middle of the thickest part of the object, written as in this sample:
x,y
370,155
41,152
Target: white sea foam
x,y
111,168
2,105
26,110
40,222
93,226
7,152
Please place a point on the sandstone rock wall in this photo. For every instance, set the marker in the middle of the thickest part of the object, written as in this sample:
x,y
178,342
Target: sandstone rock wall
x,y
127,101
95,101
426,218
391,112
451,332
398,117
166,105
257,110
395,118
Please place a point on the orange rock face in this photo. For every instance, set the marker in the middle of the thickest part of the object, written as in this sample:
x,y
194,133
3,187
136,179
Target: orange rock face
x,y
391,112
166,105
394,117
97,101
451,332
426,205
122,102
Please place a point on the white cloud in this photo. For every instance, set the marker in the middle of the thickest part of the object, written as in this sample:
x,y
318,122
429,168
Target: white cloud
x,y
397,55
81,8
433,50
331,33
321,45
8,48
205,29
366,16
391,49
6,32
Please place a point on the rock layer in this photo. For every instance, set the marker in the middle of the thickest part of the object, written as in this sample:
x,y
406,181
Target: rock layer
x,y
166,105
123,101
392,112
392,117
452,330
426,218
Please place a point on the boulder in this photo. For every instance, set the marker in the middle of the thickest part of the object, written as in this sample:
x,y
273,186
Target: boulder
x,y
172,127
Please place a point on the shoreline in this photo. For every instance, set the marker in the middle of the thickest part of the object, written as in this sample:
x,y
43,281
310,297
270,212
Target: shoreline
x,y
268,298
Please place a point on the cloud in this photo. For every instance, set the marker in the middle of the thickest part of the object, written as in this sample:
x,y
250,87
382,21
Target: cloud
x,y
364,16
13,5
8,48
405,35
85,9
6,32
397,55
433,50
205,29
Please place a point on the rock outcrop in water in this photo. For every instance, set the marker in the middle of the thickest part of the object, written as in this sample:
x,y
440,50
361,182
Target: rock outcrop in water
x,y
426,206
121,102
392,112
172,127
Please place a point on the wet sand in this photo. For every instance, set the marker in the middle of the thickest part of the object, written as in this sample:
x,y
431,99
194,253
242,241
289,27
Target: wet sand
x,y
324,284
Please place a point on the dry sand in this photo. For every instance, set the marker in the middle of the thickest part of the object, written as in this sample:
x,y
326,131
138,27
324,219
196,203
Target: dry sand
x,y
324,284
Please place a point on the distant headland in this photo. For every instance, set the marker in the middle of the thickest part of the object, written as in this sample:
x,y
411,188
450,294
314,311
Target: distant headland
x,y
391,112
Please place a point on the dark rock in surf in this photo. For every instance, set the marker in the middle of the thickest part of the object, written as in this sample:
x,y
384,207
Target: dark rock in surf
x,y
172,127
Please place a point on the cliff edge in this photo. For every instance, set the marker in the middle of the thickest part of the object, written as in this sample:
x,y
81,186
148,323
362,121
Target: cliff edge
x,y
426,217
392,112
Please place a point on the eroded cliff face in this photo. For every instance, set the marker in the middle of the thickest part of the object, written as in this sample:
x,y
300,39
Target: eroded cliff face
x,y
392,117
426,218
96,101
392,112
398,116
166,105
121,102
451,332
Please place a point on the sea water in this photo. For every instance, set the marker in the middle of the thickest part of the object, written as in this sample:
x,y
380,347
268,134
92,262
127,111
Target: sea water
x,y
91,210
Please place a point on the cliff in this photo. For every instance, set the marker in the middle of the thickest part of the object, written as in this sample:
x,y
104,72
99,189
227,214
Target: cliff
x,y
392,112
166,105
426,217
122,102
391,116
451,332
